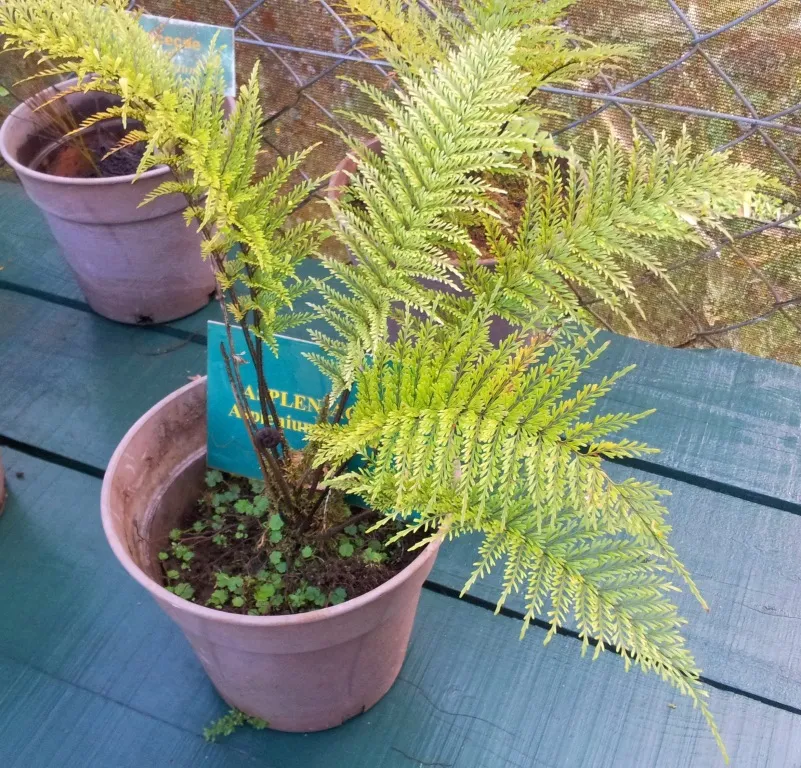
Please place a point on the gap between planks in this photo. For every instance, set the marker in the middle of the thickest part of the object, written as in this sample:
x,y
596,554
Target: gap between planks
x,y
431,586
194,337
510,613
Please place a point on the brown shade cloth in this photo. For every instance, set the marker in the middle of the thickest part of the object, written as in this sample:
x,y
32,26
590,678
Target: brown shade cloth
x,y
727,69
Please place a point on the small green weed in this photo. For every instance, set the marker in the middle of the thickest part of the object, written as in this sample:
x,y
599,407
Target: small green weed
x,y
229,722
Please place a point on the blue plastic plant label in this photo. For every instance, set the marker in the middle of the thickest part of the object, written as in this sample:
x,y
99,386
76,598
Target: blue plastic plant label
x,y
189,41
297,388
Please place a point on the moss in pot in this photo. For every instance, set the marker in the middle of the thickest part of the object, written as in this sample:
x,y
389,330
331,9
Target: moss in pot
x,y
454,434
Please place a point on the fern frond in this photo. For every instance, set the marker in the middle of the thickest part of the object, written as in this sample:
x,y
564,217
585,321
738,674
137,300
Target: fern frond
x,y
617,592
397,218
405,34
414,37
586,225
444,404
460,436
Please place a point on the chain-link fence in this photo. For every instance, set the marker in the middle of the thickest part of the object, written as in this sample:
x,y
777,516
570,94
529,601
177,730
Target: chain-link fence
x,y
727,69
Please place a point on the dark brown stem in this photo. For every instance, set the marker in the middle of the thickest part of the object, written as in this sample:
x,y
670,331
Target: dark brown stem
x,y
320,499
544,81
266,403
318,473
275,473
265,398
278,474
233,371
340,411
309,451
236,387
352,520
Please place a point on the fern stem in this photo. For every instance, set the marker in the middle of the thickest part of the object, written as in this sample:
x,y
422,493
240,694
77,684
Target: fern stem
x,y
265,398
266,403
353,520
264,458
309,516
318,472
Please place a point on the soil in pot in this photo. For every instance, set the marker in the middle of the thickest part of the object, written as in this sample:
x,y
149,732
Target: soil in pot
x,y
59,147
87,155
234,553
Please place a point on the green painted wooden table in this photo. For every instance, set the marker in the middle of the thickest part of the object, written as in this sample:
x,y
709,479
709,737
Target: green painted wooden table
x,y
93,675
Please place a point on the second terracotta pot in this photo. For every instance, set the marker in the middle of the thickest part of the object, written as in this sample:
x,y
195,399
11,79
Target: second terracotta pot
x,y
302,672
134,265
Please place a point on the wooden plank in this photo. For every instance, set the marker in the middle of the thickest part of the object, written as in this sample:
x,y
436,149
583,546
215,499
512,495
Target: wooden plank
x,y
73,383
738,587
724,416
106,377
34,262
49,723
94,674
21,216
744,559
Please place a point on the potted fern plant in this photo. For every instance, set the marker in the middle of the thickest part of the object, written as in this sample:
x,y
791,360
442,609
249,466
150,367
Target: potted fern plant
x,y
299,606
85,169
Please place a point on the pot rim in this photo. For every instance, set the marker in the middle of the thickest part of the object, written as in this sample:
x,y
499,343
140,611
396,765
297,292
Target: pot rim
x,y
201,611
24,170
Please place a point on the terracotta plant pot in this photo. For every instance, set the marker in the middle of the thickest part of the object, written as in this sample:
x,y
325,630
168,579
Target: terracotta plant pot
x,y
303,672
341,176
134,265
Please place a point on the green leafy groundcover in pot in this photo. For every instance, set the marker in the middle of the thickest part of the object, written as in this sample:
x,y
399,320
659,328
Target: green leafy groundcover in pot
x,y
236,554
